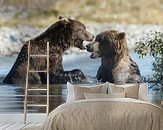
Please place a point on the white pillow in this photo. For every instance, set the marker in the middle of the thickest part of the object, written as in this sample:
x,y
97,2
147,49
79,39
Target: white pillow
x,y
126,85
101,95
143,92
130,90
76,92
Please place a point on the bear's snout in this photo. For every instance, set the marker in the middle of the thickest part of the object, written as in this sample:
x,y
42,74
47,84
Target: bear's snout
x,y
93,47
89,36
89,48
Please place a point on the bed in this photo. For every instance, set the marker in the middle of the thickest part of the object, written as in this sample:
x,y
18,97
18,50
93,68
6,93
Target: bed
x,y
106,114
106,107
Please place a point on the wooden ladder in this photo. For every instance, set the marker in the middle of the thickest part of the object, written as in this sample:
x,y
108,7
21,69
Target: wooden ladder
x,y
26,105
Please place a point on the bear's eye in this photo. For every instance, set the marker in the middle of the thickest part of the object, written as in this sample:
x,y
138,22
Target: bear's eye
x,y
80,29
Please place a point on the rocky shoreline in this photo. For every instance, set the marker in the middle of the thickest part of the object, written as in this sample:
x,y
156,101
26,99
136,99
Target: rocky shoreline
x,y
12,38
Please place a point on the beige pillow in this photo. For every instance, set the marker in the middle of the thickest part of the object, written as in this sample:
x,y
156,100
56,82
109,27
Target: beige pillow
x,y
102,95
143,92
76,92
130,90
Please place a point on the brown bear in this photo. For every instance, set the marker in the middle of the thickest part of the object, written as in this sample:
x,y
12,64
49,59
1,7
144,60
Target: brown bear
x,y
62,35
116,64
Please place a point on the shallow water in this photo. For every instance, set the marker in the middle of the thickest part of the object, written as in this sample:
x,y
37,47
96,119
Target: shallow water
x,y
12,96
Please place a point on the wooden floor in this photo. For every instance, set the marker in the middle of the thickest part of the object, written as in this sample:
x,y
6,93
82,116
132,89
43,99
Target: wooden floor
x,y
17,126
16,121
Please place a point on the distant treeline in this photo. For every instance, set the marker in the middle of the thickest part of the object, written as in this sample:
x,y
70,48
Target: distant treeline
x,y
40,5
102,11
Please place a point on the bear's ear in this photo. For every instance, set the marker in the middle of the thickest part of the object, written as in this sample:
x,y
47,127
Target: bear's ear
x,y
61,17
121,35
65,19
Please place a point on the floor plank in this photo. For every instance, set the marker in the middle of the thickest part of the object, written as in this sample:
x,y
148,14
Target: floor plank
x,y
18,126
30,125
5,126
1,125
13,126
39,124
24,125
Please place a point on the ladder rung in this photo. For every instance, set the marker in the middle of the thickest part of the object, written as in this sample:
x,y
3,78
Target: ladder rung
x,y
36,105
36,89
32,71
38,55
